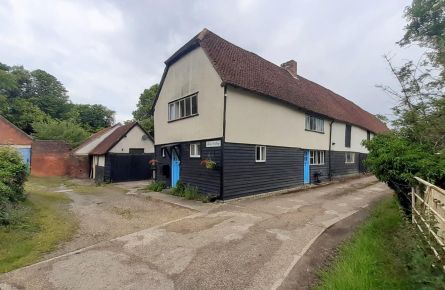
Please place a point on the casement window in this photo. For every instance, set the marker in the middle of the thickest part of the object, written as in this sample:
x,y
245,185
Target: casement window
x,y
183,108
195,150
348,136
349,157
163,152
314,124
136,150
260,154
316,157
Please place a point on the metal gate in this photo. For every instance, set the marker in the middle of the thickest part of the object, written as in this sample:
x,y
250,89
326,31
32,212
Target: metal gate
x,y
127,167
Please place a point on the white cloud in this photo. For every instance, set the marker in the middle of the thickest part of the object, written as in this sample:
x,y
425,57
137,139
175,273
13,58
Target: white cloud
x,y
108,51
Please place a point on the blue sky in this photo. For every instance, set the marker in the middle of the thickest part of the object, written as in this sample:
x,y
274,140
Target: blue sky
x,y
107,52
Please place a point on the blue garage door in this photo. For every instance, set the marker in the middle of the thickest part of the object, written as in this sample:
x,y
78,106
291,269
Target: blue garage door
x,y
26,154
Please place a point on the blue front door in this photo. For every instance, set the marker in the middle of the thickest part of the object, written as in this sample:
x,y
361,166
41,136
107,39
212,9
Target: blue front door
x,y
175,169
307,178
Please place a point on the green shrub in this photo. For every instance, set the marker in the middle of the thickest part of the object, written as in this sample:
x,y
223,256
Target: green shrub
x,y
395,160
12,178
157,186
188,192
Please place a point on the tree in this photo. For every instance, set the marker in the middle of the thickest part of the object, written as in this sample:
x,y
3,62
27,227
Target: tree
x,y
23,114
49,94
91,117
68,131
143,113
426,27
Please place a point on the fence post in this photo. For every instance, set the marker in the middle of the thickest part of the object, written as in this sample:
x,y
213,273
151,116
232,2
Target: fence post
x,y
413,203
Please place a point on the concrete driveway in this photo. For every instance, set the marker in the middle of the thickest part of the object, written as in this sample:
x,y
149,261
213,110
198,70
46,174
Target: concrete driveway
x,y
240,244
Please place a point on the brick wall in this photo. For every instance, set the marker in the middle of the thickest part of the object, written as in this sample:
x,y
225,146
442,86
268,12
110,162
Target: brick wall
x,y
54,158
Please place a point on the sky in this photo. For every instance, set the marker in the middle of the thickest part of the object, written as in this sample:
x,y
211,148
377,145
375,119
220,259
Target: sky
x,y
108,52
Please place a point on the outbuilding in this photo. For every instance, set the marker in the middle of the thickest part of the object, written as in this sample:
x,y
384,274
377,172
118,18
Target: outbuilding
x,y
119,153
11,135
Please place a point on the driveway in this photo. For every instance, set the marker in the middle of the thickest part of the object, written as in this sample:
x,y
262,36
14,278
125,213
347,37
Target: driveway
x,y
240,244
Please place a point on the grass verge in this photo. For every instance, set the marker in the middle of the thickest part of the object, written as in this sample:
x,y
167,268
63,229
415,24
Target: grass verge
x,y
384,254
42,223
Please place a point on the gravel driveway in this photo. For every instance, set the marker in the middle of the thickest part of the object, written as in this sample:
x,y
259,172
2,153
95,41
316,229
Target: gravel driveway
x,y
240,244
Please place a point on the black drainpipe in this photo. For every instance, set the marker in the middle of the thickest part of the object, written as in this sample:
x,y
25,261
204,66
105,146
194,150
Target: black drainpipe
x,y
330,145
221,182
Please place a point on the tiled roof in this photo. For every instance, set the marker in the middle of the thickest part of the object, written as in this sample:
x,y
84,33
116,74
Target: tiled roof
x,y
95,136
112,139
244,69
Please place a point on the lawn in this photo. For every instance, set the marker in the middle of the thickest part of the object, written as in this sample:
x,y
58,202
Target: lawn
x,y
383,254
43,223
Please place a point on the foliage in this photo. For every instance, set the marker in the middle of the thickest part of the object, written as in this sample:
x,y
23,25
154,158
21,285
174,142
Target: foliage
x,y
426,27
208,163
12,178
40,224
157,186
144,113
91,117
36,96
188,192
396,160
68,131
384,254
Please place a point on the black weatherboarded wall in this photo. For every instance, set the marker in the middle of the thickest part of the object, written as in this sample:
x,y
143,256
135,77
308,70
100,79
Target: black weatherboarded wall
x,y
339,167
243,176
192,172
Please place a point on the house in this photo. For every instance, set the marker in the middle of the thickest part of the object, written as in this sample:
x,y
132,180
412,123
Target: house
x,y
12,136
119,153
260,126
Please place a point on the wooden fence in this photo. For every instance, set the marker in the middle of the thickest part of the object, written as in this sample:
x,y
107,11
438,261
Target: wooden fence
x,y
428,214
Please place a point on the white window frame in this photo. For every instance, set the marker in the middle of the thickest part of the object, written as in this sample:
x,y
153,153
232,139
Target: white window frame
x,y
316,157
314,124
177,109
195,150
262,155
349,157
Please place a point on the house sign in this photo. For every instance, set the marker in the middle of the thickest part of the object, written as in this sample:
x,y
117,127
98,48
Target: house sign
x,y
213,143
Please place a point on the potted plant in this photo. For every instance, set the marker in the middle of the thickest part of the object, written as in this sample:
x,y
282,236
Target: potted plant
x,y
153,163
208,163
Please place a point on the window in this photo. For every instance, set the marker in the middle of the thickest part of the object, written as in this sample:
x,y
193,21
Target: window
x,y
316,157
260,155
368,135
163,152
195,150
348,136
183,108
314,124
136,150
349,157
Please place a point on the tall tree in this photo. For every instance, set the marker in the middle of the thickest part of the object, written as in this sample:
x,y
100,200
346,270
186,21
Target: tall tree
x,y
91,117
143,113
426,27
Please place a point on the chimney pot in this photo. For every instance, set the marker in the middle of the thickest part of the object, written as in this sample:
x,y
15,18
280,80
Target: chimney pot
x,y
291,67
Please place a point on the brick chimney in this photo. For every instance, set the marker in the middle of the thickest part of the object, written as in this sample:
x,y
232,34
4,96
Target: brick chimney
x,y
291,67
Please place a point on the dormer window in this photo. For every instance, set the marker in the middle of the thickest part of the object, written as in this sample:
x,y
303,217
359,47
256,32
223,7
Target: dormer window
x,y
314,124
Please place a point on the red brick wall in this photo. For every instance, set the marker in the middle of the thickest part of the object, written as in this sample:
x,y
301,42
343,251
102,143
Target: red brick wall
x,y
54,158
10,135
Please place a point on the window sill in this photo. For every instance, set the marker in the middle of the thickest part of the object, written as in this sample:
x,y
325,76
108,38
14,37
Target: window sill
x,y
320,164
349,162
194,115
195,157
314,131
260,161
